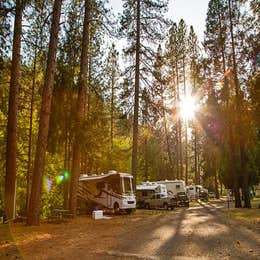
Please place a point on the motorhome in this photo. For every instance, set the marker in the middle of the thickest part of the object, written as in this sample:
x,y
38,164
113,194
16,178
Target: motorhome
x,y
113,190
147,190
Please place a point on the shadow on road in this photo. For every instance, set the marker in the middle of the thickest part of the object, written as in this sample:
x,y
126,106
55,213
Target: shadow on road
x,y
199,232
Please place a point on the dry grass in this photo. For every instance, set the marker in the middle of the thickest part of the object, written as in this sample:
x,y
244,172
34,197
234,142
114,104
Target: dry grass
x,y
249,216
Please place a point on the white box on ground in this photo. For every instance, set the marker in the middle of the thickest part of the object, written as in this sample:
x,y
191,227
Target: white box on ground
x,y
97,214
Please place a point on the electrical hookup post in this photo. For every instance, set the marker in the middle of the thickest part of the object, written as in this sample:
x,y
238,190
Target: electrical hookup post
x,y
228,192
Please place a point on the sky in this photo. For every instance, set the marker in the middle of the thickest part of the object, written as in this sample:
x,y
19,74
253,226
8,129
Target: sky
x,y
193,12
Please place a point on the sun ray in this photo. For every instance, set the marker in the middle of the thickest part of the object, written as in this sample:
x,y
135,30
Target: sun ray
x,y
187,107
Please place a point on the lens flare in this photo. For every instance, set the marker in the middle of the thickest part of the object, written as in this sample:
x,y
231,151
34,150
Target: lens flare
x,y
59,179
63,177
66,175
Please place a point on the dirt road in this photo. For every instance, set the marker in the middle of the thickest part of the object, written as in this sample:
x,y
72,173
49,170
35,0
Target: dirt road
x,y
198,232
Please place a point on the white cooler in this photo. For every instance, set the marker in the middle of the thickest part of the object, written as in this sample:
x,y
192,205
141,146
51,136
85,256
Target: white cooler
x,y
97,214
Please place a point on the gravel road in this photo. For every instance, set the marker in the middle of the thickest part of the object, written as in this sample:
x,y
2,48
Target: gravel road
x,y
198,232
201,232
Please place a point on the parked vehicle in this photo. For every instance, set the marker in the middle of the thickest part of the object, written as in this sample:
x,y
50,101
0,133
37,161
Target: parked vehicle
x,y
191,192
182,199
158,201
146,190
212,195
113,190
174,186
203,195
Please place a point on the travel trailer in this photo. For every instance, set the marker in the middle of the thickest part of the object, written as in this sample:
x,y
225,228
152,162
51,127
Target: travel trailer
x,y
191,192
113,190
174,186
177,189
147,190
195,192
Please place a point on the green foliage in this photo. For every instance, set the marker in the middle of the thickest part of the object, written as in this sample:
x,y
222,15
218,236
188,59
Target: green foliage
x,y
106,131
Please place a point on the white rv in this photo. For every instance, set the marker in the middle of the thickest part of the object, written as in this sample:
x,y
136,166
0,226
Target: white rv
x,y
174,186
191,192
113,190
146,190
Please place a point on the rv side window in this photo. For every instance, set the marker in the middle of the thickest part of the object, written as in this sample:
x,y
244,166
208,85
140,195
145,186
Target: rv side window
x,y
178,187
115,185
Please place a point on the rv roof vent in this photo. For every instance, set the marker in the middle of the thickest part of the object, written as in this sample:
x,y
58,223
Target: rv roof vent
x,y
102,173
94,174
84,175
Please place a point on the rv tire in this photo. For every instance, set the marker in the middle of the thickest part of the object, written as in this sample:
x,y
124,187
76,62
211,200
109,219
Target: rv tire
x,y
129,211
147,206
165,206
116,208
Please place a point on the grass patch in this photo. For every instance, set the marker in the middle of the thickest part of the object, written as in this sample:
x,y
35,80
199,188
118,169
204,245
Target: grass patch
x,y
194,203
245,215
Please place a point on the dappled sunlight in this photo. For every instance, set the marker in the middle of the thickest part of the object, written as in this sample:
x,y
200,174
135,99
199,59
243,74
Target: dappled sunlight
x,y
159,236
214,229
33,238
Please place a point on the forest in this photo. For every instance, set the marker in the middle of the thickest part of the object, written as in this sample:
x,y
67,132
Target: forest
x,y
165,106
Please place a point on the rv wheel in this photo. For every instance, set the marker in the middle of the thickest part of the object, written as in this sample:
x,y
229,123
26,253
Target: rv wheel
x,y
165,206
116,208
147,206
129,211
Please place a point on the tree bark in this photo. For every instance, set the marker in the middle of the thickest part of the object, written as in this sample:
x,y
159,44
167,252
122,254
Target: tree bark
x,y
39,162
84,66
243,158
197,181
11,146
136,102
239,108
29,164
215,178
66,151
112,101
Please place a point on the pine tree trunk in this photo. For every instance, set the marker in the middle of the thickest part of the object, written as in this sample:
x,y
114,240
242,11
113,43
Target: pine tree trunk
x,y
239,107
136,99
112,112
180,148
39,162
11,146
215,179
246,195
233,170
66,151
84,67
186,154
179,130
186,126
196,156
29,165
168,146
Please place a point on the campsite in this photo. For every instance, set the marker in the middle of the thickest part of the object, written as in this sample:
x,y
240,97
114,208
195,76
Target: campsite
x,y
129,129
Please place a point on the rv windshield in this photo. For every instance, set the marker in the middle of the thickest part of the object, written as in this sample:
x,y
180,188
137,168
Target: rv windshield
x,y
127,185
